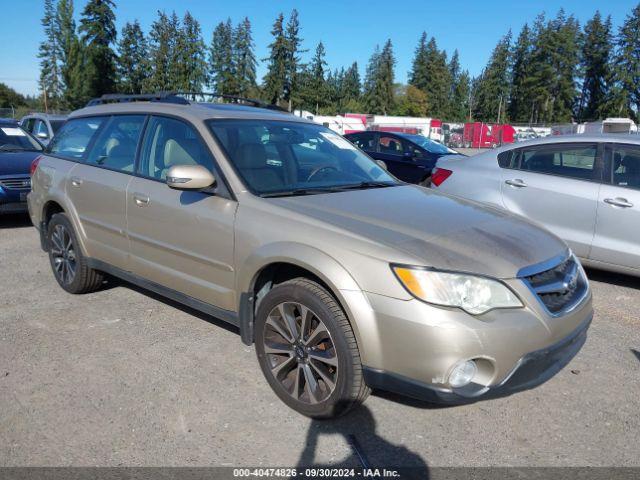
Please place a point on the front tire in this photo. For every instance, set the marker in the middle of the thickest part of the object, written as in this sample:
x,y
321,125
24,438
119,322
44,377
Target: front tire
x,y
69,265
307,350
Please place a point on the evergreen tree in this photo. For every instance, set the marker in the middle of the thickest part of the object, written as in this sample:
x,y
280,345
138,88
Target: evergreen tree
x,y
459,108
132,59
292,64
276,77
99,32
162,43
351,89
494,84
596,65
222,60
50,80
430,73
454,75
244,59
378,88
72,57
520,99
626,96
189,58
314,89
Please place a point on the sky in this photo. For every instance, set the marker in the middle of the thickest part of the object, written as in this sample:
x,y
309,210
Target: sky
x,y
350,30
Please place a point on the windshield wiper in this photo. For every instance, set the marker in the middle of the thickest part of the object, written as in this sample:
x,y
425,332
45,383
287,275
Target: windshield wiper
x,y
300,191
367,184
11,148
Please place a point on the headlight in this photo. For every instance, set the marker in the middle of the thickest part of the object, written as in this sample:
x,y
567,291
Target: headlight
x,y
475,295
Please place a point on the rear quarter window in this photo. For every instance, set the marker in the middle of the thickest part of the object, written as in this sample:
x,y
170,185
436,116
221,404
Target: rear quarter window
x,y
74,137
508,159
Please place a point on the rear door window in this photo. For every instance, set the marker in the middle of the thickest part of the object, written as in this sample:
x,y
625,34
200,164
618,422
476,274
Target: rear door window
x,y
573,161
390,145
626,166
116,145
364,141
74,137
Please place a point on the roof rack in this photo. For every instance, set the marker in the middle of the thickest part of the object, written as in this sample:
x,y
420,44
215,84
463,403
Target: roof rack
x,y
181,98
168,97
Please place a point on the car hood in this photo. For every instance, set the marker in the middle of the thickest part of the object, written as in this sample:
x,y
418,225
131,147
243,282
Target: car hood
x,y
437,230
16,163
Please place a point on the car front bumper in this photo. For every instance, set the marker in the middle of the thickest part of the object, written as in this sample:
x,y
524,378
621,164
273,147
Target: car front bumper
x,y
410,347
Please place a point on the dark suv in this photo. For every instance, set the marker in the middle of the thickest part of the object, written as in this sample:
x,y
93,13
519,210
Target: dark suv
x,y
409,157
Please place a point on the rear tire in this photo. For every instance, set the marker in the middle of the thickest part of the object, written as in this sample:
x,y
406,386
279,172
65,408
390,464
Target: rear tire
x,y
69,265
307,350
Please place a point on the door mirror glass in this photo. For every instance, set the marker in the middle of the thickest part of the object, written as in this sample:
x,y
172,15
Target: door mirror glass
x,y
189,177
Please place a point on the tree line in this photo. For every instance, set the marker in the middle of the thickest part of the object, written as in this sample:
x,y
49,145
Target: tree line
x,y
555,71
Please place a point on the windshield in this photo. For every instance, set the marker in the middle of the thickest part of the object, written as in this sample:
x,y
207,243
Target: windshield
x,y
14,138
429,145
280,157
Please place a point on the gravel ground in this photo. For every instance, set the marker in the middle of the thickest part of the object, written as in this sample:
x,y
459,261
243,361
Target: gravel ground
x,y
122,377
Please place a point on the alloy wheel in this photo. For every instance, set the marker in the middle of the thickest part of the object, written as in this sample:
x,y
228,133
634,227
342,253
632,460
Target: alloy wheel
x,y
63,254
300,352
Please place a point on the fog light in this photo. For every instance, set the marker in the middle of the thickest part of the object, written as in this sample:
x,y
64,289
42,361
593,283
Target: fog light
x,y
462,374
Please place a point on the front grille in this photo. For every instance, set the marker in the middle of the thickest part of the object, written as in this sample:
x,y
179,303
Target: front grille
x,y
560,288
16,183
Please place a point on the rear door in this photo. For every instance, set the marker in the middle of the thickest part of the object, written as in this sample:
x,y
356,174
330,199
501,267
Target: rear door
x,y
97,186
617,238
556,185
183,240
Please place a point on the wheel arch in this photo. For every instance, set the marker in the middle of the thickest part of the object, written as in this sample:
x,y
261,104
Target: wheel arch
x,y
283,261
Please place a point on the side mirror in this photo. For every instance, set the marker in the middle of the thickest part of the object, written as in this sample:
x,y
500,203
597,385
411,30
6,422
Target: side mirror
x,y
382,164
190,177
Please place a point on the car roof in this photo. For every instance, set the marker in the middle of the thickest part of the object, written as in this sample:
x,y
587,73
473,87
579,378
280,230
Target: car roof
x,y
580,137
189,110
8,121
49,116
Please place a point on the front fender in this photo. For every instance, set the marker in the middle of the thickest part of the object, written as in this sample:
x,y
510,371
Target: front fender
x,y
343,286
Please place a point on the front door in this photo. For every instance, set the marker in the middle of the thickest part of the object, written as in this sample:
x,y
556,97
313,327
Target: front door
x,y
617,238
400,163
556,185
182,240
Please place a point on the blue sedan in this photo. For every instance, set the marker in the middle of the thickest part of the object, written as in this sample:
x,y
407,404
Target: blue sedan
x,y
17,150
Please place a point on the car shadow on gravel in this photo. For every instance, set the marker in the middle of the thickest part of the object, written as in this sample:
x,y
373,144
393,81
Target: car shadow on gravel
x,y
15,221
619,279
369,450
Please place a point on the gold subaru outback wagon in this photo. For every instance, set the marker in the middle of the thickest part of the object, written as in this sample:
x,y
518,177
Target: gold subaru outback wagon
x,y
345,278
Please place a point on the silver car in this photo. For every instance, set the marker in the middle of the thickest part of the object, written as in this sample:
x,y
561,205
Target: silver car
x,y
344,278
583,188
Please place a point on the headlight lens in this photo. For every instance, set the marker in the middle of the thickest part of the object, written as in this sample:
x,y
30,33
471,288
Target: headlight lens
x,y
475,295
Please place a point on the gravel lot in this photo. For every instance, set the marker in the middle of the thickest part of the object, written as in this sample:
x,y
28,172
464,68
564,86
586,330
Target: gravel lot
x,y
122,377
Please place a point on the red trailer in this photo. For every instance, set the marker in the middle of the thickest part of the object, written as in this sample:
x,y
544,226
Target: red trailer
x,y
487,135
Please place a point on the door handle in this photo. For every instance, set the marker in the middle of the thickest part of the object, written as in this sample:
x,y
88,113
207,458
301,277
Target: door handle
x,y
517,182
76,181
141,199
618,202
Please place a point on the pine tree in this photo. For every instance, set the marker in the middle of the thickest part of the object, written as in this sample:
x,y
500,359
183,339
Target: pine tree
x,y
276,77
494,83
430,73
459,108
133,54
454,75
520,100
292,64
596,65
244,59
351,89
72,57
99,33
222,60
314,91
161,52
50,78
191,73
626,97
378,86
